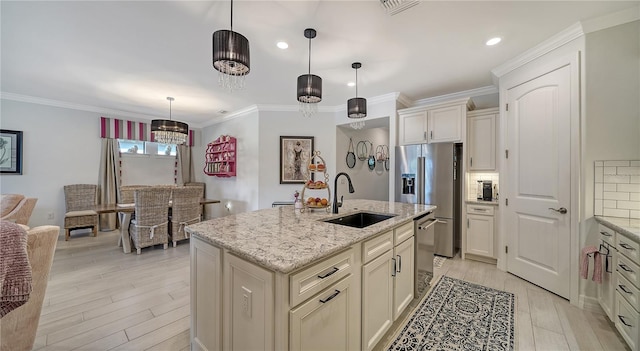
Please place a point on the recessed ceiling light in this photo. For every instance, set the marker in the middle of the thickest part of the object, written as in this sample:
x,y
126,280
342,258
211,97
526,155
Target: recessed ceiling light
x,y
493,41
351,84
282,45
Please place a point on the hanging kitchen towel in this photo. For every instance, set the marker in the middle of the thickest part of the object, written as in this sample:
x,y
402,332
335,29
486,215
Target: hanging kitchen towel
x,y
597,263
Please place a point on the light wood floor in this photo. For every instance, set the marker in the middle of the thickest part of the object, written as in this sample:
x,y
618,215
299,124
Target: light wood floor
x,y
101,299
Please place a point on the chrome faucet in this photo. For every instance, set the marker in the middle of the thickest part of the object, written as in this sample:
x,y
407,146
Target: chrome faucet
x,y
335,186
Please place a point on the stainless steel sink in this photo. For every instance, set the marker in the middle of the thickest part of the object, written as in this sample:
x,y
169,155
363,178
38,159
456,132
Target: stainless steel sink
x,y
360,220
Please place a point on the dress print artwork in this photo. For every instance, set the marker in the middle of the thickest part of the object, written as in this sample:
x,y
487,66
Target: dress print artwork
x,y
295,154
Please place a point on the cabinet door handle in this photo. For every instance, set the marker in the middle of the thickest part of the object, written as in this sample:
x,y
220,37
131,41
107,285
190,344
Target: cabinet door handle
x,y
627,246
467,222
330,297
605,234
470,161
393,272
621,318
335,269
425,135
432,135
624,289
399,263
625,267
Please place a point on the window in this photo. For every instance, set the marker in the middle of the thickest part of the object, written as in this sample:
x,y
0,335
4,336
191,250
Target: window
x,y
146,148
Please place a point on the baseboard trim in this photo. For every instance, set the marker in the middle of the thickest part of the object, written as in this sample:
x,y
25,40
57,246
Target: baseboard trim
x,y
591,304
473,257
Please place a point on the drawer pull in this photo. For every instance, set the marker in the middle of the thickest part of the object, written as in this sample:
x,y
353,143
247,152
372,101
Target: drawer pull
x,y
624,288
399,263
621,318
393,271
605,234
625,267
335,269
329,298
627,246
480,209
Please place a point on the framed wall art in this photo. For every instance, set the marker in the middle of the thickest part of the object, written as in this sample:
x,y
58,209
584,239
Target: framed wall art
x,y
295,155
10,151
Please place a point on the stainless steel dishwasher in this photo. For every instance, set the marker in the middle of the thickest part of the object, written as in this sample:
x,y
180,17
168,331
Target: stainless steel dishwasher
x,y
424,250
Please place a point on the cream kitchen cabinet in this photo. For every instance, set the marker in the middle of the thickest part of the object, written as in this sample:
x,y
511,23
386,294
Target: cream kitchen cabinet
x,y
607,290
627,300
436,123
387,281
206,296
481,139
480,234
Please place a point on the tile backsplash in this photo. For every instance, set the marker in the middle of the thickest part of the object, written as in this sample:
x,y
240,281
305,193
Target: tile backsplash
x,y
472,184
617,189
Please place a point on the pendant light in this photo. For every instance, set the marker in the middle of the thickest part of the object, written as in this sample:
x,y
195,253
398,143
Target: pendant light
x,y
230,57
166,131
309,85
357,107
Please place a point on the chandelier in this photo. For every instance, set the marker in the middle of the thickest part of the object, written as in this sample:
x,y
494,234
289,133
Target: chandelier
x,y
230,57
357,107
166,131
309,85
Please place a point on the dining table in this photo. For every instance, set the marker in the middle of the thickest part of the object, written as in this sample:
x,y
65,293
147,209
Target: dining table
x,y
125,211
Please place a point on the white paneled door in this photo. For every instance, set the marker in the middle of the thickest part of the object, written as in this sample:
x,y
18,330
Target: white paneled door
x,y
539,177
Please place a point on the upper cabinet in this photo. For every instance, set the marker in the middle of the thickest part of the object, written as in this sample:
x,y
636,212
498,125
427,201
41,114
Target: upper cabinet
x,y
481,139
436,123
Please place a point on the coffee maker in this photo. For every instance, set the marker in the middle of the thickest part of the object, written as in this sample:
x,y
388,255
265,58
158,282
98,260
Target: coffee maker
x,y
487,190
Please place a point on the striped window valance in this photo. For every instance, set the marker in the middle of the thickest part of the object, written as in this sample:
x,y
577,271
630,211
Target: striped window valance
x,y
120,129
130,130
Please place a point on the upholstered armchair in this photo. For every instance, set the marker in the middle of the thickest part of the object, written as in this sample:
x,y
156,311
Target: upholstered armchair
x,y
19,327
185,210
80,199
17,208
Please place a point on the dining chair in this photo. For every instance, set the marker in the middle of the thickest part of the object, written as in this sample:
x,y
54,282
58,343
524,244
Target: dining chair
x,y
185,210
151,224
80,199
201,186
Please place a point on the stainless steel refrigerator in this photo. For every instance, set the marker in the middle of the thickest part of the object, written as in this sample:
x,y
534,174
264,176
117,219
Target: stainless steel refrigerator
x,y
430,174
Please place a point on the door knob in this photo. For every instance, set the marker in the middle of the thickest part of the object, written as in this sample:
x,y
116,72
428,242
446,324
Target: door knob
x,y
559,210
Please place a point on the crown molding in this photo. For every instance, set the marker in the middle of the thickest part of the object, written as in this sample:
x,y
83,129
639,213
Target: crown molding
x,y
74,106
232,115
487,90
403,99
611,20
573,32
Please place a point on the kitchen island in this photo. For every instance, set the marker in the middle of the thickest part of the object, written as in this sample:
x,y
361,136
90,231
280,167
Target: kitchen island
x,y
275,279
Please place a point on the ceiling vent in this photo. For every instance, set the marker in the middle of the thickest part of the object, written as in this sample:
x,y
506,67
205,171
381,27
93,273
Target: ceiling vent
x,y
394,7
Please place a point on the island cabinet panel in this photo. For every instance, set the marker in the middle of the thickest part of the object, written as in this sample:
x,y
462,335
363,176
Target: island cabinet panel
x,y
206,296
329,320
377,298
249,305
403,282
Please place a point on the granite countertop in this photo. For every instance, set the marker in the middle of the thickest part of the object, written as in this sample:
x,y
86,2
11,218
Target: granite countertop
x,y
625,226
282,240
482,202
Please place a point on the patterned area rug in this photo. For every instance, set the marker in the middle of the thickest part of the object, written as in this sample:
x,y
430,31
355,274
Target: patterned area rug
x,y
458,315
424,281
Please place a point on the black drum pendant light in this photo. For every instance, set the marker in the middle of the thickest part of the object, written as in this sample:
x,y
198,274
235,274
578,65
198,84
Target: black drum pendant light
x,y
309,85
230,57
357,107
167,131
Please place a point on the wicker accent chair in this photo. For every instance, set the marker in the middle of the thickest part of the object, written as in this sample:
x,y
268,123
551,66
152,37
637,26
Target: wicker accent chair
x,y
126,193
204,192
79,201
185,210
17,208
19,327
151,225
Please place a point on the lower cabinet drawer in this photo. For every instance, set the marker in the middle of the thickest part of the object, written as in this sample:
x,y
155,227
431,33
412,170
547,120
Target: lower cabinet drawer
x,y
628,291
629,270
626,321
629,248
314,279
327,321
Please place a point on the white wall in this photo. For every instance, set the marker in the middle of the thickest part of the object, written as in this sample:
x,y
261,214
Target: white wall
x,y
368,184
611,128
62,146
241,191
321,126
